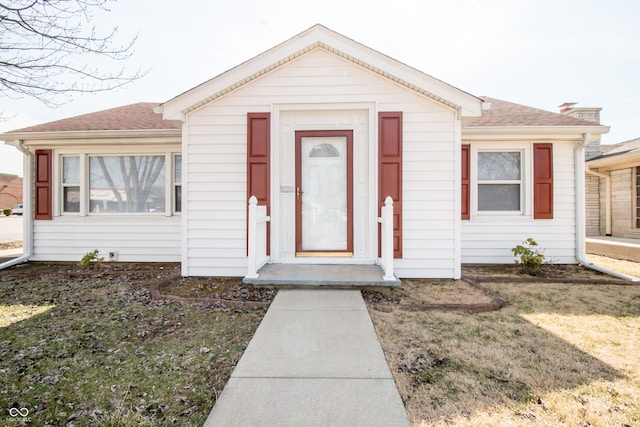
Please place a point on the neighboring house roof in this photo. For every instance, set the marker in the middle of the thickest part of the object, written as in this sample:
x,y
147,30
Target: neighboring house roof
x,y
320,37
138,116
620,148
617,154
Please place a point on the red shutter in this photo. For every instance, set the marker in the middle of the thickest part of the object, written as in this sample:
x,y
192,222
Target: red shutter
x,y
43,198
258,160
466,163
543,181
390,170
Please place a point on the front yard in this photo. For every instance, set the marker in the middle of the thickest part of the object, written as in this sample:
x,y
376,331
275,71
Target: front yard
x,y
92,348
84,348
558,354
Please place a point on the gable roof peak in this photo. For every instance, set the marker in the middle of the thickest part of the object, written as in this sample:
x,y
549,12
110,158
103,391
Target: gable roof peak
x,y
319,36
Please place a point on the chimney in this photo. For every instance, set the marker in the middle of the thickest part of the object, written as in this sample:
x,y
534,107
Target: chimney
x,y
566,107
589,114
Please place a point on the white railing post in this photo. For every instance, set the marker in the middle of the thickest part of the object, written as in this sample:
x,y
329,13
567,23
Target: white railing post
x,y
386,230
256,238
252,268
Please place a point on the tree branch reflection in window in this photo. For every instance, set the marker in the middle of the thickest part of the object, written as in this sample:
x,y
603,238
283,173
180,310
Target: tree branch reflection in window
x,y
126,184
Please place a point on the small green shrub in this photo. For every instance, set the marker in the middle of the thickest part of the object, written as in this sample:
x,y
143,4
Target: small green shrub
x,y
90,260
530,257
7,212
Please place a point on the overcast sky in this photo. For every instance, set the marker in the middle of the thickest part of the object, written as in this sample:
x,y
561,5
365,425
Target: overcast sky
x,y
539,53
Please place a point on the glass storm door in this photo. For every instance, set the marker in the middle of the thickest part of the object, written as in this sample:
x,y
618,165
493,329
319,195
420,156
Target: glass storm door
x,y
324,193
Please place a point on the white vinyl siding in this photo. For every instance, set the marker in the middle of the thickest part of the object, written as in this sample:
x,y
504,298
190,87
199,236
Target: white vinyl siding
x,y
489,240
214,175
135,239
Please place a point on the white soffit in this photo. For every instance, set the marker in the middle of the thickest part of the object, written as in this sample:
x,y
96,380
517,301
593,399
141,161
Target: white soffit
x,y
320,37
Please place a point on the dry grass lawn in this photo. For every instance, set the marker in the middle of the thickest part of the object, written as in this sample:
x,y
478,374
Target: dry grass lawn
x,y
91,348
557,355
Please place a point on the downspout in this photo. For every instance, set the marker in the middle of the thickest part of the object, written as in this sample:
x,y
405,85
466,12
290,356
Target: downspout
x,y
607,207
27,217
580,214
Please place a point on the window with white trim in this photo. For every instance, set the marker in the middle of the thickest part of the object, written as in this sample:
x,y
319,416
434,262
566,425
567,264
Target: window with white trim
x,y
126,184
499,181
177,183
106,184
71,184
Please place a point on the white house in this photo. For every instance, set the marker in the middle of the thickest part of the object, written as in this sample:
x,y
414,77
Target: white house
x,y
321,130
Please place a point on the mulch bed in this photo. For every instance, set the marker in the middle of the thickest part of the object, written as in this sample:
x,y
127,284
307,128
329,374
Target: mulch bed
x,y
476,275
230,292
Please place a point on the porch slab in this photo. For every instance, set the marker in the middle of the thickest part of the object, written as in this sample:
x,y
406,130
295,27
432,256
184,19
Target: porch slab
x,y
329,275
614,247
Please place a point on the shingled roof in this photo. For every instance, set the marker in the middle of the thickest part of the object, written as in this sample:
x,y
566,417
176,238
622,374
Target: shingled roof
x,y
621,150
504,113
141,116
138,116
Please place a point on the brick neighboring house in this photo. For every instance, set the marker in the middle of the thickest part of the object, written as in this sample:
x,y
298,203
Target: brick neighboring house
x,y
615,190
10,190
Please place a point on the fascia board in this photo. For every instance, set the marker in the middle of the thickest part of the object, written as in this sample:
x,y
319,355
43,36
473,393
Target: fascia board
x,y
616,162
316,37
546,131
34,137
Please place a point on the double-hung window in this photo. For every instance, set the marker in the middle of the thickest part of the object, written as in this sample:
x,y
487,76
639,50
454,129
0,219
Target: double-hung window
x,y
499,181
177,183
71,184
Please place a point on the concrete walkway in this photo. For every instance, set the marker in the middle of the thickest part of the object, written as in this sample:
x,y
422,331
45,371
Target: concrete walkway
x,y
315,360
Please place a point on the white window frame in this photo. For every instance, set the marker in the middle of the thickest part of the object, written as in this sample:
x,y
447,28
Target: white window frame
x,y
79,184
84,181
175,184
526,180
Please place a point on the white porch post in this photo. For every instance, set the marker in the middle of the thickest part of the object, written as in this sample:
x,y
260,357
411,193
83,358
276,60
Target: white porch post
x,y
387,239
256,238
252,268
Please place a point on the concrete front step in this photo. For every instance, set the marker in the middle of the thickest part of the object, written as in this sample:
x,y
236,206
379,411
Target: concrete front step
x,y
325,275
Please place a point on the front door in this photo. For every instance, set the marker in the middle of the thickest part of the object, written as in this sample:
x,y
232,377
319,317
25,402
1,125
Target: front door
x,y
324,193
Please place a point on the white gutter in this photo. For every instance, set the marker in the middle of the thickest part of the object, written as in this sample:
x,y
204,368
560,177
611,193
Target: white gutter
x,y
607,208
580,214
27,217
